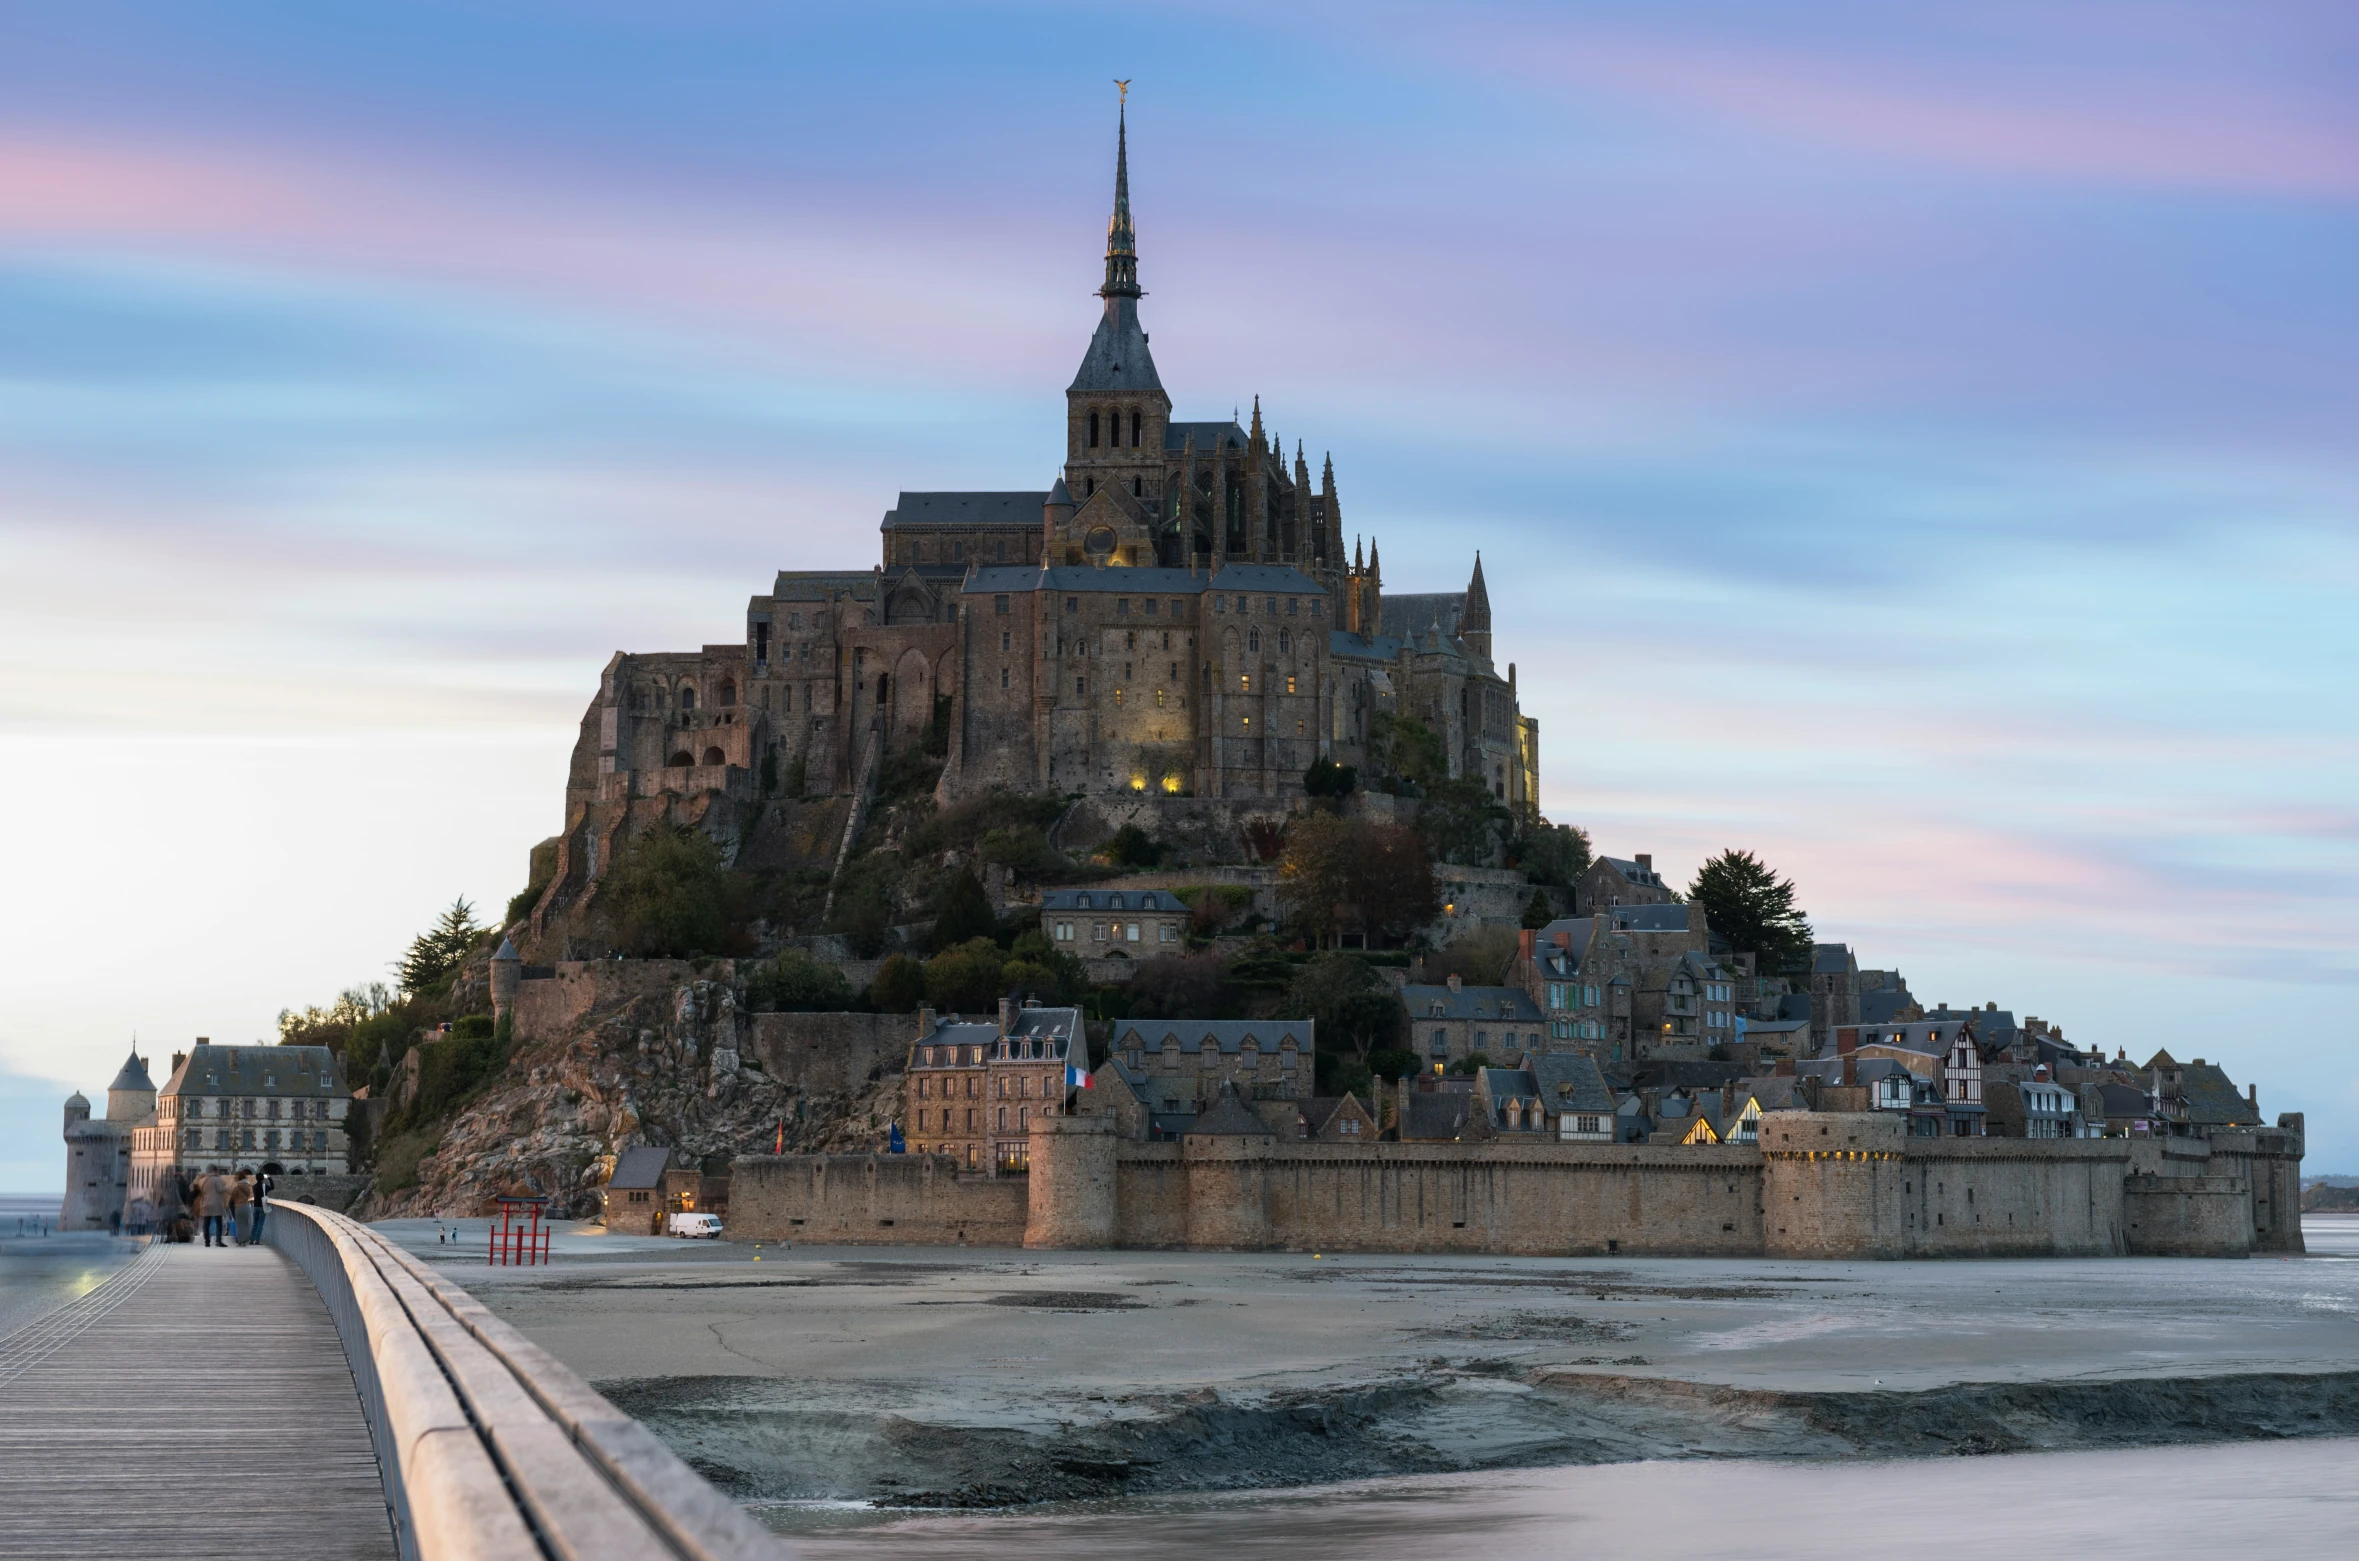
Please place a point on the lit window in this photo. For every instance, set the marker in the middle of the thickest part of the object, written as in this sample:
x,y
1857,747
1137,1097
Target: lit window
x,y
1290,685
1244,682
1117,696
1245,723
1158,699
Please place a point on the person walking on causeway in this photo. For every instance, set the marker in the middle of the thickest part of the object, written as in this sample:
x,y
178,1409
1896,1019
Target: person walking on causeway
x,y
212,1203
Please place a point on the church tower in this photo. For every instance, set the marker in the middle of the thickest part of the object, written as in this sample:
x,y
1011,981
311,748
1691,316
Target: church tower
x,y
1475,627
1115,409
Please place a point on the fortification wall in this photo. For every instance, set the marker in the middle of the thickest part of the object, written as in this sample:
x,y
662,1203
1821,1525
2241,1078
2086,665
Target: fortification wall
x,y
2187,1216
1547,1199
873,1199
1150,1195
553,1006
1846,1185
824,1053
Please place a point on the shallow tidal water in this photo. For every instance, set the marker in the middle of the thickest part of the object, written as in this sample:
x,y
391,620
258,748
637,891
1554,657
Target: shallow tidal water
x,y
2291,1501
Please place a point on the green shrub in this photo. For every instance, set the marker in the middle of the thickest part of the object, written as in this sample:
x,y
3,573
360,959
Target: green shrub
x,y
1131,846
668,894
472,1027
967,978
898,986
963,911
795,983
1392,1063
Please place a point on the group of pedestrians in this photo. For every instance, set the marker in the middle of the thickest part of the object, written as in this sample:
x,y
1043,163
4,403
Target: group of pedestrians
x,y
223,1209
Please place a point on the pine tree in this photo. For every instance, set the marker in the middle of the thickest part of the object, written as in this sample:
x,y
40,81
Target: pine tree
x,y
1539,913
1754,909
434,954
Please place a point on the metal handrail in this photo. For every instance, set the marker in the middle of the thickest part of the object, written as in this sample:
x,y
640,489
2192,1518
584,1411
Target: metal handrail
x,y
489,1446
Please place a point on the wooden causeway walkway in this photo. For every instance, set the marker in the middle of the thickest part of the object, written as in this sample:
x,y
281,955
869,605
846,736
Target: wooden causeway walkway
x,y
195,1406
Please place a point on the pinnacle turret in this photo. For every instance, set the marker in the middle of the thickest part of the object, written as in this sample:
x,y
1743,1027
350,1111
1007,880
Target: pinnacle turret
x,y
1122,240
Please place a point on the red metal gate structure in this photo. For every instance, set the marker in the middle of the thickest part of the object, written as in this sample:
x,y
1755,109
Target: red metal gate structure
x,y
521,1236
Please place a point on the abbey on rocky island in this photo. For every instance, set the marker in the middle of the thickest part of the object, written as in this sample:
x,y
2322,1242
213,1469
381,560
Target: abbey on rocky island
x,y
1174,616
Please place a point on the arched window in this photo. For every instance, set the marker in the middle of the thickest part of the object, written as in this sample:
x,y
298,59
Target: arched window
x,y
1253,639
1138,487
680,761
715,756
1093,444
687,698
1285,640
728,693
1134,428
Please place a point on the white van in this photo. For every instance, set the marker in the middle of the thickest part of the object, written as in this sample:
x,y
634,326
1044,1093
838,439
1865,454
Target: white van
x,y
693,1225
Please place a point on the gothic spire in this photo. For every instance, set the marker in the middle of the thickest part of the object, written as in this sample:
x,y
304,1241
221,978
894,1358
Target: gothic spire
x,y
1122,244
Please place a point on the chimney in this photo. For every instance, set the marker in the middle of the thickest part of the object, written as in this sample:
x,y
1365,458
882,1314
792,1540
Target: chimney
x,y
1007,1014
1646,863
1456,981
177,1059
1846,1040
1523,943
1564,940
925,1022
1785,1068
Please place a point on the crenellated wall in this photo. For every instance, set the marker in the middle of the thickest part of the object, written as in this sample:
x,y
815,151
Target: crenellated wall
x,y
1834,1185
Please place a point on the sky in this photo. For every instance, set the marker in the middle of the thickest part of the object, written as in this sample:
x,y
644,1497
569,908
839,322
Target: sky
x,y
1913,443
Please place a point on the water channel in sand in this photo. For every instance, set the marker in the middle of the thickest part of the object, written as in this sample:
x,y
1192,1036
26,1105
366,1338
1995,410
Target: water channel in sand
x,y
2289,1501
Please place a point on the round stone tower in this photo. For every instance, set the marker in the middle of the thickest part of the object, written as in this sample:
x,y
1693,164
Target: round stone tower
x,y
77,1110
131,1099
507,973
1072,1176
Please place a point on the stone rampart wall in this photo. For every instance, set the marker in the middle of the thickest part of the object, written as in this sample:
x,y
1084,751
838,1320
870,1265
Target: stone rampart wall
x,y
873,1199
1585,1199
827,1053
551,1007
1838,1185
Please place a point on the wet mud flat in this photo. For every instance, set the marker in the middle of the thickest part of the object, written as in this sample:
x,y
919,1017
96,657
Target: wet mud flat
x,y
914,1379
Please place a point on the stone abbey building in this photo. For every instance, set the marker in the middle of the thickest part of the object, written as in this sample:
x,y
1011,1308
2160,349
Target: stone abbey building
x,y
1178,613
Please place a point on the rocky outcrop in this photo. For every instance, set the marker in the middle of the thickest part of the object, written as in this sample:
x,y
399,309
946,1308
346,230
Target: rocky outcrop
x,y
638,1053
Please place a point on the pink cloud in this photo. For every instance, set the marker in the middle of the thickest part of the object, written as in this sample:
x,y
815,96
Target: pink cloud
x,y
2252,145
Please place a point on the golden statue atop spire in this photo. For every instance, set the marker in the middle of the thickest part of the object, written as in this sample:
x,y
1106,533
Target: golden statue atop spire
x,y
1125,89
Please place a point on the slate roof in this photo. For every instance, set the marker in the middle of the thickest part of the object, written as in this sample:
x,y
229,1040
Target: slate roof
x,y
957,1032
1206,435
1438,1117
1228,1036
1362,647
1162,900
2207,1097
1570,1081
812,585
1320,1110
638,1170
1794,1005
285,1071
133,1076
962,511
1229,1117
1118,358
1878,1004
1412,616
1056,1025
1685,1073
1650,918
1505,1004
1830,959
1632,872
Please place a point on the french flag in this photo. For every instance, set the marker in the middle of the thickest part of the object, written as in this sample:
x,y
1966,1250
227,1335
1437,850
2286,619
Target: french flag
x,y
1077,1076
